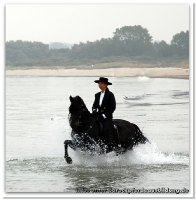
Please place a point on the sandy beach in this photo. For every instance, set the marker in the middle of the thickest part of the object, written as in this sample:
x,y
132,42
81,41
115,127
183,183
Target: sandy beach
x,y
166,72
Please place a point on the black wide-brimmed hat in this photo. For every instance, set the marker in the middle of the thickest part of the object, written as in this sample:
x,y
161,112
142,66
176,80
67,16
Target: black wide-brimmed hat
x,y
103,80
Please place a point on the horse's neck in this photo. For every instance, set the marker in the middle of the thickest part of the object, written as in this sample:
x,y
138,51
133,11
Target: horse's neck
x,y
85,118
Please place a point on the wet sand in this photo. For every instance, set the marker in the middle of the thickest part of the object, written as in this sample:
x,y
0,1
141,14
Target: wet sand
x,y
166,72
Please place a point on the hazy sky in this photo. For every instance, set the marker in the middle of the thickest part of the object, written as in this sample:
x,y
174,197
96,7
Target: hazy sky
x,y
74,23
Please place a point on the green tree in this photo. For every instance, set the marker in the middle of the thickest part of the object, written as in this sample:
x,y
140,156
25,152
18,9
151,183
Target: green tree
x,y
135,40
180,43
162,49
26,53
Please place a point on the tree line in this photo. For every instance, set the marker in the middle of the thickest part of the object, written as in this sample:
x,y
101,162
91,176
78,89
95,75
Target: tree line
x,y
127,42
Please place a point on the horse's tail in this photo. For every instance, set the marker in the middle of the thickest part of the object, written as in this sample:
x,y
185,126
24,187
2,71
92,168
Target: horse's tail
x,y
140,136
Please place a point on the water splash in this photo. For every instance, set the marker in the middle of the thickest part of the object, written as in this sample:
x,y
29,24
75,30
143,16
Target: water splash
x,y
150,154
143,78
145,154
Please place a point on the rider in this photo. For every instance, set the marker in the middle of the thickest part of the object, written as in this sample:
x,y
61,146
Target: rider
x,y
104,105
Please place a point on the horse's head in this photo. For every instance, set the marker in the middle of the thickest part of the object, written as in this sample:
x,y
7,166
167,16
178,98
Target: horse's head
x,y
77,105
78,113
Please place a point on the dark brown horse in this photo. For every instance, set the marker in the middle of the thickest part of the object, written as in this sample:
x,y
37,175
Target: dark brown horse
x,y
86,132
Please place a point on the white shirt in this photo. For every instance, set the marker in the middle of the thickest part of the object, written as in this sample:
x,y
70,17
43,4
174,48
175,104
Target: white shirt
x,y
101,100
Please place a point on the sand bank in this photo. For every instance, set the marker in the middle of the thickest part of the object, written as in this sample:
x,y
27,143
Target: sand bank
x,y
116,72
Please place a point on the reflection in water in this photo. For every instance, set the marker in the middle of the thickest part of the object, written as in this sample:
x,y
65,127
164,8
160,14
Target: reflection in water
x,y
102,177
107,175
111,177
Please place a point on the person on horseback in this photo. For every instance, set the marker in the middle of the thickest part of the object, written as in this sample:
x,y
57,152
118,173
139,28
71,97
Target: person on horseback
x,y
103,107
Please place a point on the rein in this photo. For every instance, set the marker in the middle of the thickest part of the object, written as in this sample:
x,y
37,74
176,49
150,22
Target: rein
x,y
91,126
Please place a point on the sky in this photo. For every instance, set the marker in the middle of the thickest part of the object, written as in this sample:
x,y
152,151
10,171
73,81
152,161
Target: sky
x,y
74,23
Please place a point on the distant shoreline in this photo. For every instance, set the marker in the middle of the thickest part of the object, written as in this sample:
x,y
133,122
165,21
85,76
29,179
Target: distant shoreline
x,y
154,72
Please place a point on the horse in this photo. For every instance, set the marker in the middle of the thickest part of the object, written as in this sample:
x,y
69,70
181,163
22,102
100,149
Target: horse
x,y
86,132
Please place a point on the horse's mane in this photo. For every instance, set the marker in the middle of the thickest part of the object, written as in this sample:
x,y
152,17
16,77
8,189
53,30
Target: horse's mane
x,y
78,112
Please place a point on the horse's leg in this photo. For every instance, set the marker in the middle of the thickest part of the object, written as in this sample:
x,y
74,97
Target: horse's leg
x,y
66,144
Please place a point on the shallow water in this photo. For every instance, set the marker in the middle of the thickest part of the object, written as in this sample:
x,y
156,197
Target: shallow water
x,y
37,125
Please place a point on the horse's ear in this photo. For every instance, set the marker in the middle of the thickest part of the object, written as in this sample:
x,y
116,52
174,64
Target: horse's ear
x,y
70,98
78,97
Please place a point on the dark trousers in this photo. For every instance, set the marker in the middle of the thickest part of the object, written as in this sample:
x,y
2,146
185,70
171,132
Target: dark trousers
x,y
108,134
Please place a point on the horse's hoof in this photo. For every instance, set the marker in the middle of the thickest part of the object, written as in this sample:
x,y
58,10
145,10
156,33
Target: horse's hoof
x,y
68,160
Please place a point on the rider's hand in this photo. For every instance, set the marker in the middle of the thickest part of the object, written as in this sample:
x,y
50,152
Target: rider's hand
x,y
95,113
100,117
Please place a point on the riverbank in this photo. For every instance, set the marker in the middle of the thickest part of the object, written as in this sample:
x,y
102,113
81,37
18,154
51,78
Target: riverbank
x,y
154,72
